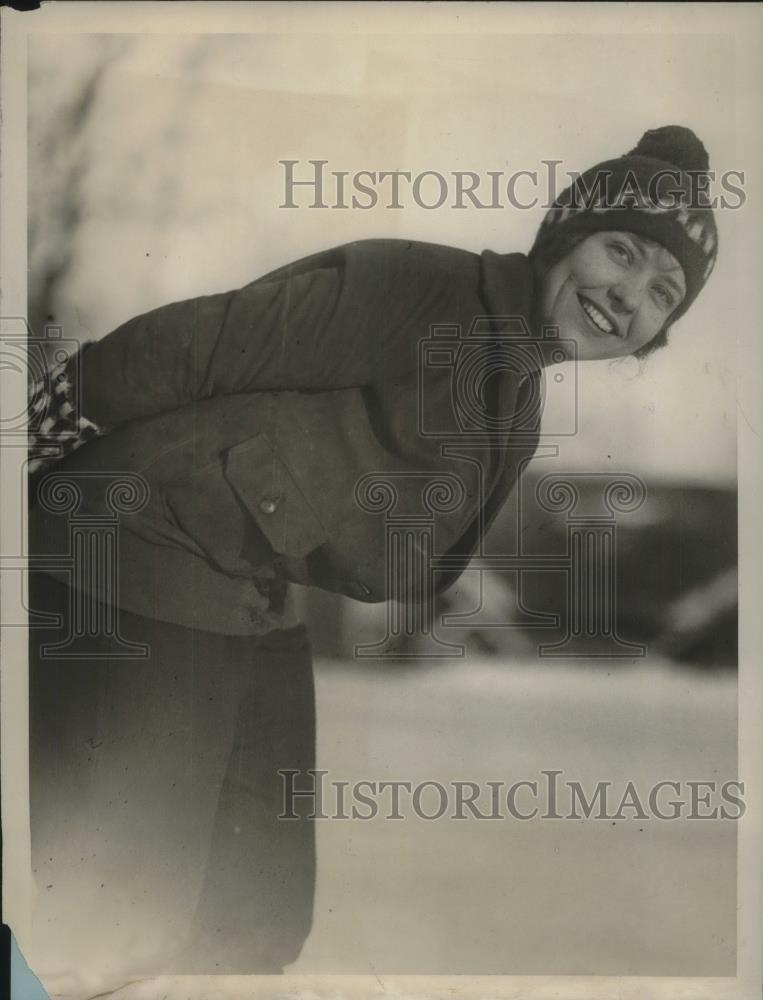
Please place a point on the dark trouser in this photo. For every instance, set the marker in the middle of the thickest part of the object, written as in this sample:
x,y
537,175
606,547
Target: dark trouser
x,y
155,797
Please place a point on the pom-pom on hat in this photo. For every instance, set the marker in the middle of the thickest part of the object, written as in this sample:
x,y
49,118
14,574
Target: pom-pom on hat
x,y
659,190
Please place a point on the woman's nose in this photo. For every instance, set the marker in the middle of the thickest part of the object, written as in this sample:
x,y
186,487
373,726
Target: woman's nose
x,y
626,295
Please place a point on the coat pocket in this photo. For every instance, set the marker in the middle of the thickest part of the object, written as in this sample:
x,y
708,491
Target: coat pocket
x,y
265,486
203,514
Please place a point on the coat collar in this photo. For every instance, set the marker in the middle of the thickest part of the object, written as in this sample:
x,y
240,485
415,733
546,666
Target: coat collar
x,y
507,284
508,292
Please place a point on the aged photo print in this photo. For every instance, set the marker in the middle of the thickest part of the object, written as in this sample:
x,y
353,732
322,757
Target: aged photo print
x,y
380,550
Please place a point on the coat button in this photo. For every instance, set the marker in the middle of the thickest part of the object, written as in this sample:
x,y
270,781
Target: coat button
x,y
269,505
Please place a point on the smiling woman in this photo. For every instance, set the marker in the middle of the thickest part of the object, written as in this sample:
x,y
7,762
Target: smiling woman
x,y
612,264
612,294
259,422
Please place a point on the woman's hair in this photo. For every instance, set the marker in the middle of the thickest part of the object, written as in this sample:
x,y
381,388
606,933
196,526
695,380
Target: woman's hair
x,y
544,258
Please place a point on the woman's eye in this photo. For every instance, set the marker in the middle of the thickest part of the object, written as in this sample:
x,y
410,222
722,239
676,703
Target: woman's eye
x,y
621,252
663,294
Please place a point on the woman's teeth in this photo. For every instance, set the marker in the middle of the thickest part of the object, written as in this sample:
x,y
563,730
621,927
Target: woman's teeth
x,y
598,319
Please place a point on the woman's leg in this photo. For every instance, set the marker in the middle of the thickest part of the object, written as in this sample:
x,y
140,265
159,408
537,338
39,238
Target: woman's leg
x,y
256,906
134,764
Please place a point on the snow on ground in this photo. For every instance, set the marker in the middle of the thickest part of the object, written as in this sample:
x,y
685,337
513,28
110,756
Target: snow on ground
x,y
543,896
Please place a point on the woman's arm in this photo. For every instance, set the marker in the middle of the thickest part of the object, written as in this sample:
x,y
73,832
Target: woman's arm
x,y
347,317
240,341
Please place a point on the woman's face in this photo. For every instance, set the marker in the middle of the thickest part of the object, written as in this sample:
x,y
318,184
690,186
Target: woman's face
x,y
612,294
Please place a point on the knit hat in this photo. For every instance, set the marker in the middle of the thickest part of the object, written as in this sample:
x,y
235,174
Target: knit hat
x,y
659,190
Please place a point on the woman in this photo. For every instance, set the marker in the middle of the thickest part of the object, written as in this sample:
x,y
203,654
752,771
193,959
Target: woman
x,y
264,433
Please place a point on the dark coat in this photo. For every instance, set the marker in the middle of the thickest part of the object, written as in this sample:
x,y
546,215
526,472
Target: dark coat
x,y
253,415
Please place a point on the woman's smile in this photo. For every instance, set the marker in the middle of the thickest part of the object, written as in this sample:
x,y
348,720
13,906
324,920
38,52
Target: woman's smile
x,y
598,317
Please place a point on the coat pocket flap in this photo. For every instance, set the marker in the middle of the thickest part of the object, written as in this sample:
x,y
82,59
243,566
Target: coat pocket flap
x,y
265,486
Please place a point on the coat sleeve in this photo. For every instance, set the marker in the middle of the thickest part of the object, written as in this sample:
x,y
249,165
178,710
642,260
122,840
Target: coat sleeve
x,y
343,318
